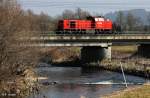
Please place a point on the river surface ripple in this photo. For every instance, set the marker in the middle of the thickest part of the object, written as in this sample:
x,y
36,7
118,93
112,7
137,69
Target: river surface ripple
x,y
73,82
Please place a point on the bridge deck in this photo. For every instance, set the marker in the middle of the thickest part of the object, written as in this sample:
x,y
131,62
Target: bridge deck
x,y
92,40
96,37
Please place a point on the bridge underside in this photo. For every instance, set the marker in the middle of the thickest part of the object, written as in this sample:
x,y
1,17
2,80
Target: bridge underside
x,y
144,50
95,47
95,54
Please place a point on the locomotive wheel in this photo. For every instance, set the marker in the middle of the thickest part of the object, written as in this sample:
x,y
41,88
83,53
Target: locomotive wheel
x,y
69,32
58,32
65,32
78,31
84,31
61,32
96,32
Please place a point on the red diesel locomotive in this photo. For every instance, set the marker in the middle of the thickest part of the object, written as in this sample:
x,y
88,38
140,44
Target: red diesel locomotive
x,y
94,25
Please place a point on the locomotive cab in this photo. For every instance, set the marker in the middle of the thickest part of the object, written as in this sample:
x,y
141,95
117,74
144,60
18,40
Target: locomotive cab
x,y
103,25
99,19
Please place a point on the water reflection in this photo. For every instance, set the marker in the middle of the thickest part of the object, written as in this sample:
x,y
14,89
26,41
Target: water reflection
x,y
73,83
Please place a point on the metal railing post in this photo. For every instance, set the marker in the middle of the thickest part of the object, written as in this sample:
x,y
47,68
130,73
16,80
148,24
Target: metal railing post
x,y
125,81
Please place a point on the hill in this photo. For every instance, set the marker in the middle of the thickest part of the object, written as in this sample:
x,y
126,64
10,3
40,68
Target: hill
x,y
139,13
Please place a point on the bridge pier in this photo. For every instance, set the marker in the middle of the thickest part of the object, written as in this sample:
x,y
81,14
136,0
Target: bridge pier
x,y
144,50
94,54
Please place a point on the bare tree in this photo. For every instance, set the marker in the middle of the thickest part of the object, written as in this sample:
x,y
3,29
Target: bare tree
x,y
81,14
12,56
68,14
77,14
131,21
148,18
120,21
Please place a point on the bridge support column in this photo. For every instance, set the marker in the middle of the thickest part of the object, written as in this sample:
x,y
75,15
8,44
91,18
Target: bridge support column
x,y
95,54
144,50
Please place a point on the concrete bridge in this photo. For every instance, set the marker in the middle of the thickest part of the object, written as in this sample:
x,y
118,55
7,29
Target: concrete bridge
x,y
95,47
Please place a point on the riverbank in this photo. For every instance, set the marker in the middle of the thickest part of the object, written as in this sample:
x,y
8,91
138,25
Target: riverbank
x,y
130,60
136,92
126,55
65,82
19,85
59,54
130,66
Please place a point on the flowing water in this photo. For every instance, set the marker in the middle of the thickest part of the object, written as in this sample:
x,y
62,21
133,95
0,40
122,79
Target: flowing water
x,y
73,82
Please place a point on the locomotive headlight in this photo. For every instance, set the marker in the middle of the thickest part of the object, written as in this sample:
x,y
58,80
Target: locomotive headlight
x,y
96,19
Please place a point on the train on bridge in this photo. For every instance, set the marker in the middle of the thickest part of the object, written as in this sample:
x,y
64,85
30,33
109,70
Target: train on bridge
x,y
92,25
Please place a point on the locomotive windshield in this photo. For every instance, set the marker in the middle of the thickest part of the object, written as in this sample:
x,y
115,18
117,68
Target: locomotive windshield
x,y
99,19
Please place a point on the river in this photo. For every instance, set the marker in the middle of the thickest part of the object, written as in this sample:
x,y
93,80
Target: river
x,y
73,82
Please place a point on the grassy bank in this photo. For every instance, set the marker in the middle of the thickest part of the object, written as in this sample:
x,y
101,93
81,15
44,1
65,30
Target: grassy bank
x,y
125,49
59,54
18,86
137,92
132,63
130,66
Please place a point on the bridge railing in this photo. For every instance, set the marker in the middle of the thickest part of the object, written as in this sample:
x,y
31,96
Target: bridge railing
x,y
53,33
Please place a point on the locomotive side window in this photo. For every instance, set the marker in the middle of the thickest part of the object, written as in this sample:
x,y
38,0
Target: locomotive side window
x,y
72,24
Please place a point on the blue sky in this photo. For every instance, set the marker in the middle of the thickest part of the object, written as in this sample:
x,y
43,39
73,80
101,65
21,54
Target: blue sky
x,y
56,7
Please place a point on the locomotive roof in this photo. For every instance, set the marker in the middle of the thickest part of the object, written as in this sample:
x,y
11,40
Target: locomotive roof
x,y
87,18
